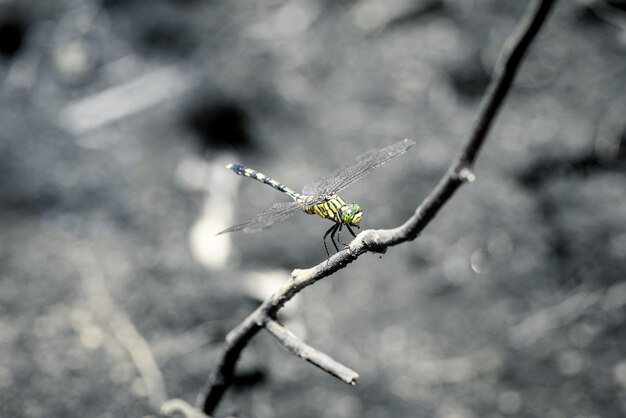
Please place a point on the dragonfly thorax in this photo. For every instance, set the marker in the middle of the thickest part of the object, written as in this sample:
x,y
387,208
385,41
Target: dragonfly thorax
x,y
333,208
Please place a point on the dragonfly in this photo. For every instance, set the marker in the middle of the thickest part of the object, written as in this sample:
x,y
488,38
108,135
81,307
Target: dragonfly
x,y
320,197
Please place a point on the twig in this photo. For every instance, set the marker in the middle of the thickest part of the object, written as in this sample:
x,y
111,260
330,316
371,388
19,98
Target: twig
x,y
609,13
181,407
458,173
310,354
118,102
123,329
544,320
173,346
541,322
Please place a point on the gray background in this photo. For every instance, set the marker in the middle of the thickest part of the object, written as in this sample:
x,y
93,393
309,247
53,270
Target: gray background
x,y
511,303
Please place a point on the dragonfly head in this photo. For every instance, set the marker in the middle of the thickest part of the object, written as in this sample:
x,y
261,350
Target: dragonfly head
x,y
352,214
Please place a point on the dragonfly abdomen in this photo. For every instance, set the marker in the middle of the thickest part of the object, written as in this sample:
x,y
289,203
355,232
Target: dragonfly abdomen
x,y
248,172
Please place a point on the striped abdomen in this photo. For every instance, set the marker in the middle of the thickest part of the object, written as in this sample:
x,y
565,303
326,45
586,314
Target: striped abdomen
x,y
248,172
328,207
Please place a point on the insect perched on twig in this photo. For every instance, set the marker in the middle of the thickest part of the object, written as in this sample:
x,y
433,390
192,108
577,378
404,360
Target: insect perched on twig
x,y
320,197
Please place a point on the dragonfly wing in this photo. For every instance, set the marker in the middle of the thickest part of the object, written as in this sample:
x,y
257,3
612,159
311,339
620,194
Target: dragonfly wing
x,y
364,164
277,213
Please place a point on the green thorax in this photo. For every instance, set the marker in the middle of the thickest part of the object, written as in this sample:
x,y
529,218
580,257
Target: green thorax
x,y
332,207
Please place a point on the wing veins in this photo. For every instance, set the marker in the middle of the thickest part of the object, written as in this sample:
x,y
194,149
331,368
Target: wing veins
x,y
364,164
276,213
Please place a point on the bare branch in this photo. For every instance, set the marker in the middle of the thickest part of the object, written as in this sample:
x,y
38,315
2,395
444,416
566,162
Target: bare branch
x,y
310,354
181,407
459,172
127,335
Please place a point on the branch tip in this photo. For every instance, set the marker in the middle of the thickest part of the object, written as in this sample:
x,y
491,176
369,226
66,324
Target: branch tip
x,y
310,354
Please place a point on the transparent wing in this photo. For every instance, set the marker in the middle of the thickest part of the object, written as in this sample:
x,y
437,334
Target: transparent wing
x,y
364,164
277,213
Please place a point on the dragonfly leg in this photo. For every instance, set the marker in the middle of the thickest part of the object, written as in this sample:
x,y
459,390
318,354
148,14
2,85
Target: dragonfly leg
x,y
332,228
346,246
351,231
332,235
339,235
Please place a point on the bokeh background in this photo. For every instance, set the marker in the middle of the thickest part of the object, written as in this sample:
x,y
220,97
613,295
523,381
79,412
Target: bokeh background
x,y
116,120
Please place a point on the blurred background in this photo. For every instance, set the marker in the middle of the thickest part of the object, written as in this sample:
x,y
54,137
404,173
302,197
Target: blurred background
x,y
118,116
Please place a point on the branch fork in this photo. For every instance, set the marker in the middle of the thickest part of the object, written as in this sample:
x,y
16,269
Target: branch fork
x,y
377,241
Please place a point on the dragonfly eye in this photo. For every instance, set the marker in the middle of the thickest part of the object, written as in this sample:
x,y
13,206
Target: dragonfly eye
x,y
352,214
